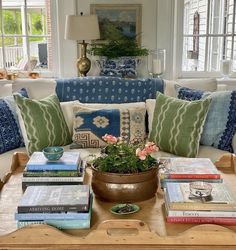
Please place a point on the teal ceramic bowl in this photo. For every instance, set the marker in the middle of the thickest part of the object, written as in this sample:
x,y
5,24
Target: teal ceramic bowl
x,y
53,153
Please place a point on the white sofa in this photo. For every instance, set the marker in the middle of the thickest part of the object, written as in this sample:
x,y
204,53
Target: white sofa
x,y
40,88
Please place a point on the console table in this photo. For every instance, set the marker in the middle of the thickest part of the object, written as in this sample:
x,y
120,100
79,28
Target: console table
x,y
146,229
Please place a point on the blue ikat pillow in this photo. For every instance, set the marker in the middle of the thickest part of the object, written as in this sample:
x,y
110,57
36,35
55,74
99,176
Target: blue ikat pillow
x,y
220,124
10,133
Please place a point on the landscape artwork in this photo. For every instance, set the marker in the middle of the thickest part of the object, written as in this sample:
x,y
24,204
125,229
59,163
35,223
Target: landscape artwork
x,y
118,19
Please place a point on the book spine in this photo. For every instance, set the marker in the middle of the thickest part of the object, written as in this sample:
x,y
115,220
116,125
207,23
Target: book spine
x,y
51,216
57,173
193,176
189,213
27,184
61,224
48,167
202,206
164,181
52,179
201,220
51,209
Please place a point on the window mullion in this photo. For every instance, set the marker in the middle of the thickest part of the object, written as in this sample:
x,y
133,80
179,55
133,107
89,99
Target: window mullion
x,y
207,35
233,30
26,35
3,45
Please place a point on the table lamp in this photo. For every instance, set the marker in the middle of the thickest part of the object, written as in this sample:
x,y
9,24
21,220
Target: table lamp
x,y
81,28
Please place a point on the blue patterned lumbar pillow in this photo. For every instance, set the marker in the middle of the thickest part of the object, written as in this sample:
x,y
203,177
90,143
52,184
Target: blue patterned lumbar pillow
x,y
10,134
220,122
90,125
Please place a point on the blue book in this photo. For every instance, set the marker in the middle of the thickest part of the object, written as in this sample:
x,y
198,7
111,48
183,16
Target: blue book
x,y
68,161
61,224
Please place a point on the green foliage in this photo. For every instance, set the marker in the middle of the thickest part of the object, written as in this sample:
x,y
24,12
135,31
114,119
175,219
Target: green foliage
x,y
121,158
118,45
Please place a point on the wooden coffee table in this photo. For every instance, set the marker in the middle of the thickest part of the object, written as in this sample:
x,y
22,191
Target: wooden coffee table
x,y
146,229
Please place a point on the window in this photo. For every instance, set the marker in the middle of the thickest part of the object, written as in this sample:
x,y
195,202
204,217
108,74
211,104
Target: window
x,y
208,35
25,35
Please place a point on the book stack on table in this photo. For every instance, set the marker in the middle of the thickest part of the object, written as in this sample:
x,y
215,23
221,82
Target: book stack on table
x,y
188,170
62,206
68,170
183,207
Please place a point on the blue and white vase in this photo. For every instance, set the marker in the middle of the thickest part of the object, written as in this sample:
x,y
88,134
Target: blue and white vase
x,y
126,67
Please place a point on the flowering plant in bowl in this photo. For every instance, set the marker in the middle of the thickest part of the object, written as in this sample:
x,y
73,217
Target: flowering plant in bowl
x,y
125,158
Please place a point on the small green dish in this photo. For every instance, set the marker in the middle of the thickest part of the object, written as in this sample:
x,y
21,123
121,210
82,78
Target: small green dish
x,y
53,153
121,209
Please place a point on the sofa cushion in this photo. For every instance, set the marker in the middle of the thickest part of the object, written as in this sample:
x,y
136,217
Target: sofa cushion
x,y
107,89
5,88
36,88
209,84
91,124
10,134
44,122
220,123
177,124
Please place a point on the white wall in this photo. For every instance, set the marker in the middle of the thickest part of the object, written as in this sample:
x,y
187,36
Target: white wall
x,y
157,29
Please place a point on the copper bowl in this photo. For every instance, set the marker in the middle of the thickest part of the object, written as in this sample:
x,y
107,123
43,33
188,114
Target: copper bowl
x,y
125,187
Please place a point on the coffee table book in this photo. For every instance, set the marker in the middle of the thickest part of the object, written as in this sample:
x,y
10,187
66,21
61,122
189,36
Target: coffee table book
x,y
69,220
188,168
60,198
178,197
68,161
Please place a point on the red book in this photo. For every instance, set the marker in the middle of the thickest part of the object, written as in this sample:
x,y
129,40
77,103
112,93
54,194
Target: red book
x,y
188,168
202,220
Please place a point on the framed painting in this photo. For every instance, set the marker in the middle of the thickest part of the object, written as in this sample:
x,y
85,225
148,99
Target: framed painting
x,y
118,20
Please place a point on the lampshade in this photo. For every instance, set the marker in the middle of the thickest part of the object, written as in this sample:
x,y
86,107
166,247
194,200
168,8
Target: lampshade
x,y
82,27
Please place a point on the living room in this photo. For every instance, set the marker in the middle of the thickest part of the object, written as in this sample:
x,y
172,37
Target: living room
x,y
59,93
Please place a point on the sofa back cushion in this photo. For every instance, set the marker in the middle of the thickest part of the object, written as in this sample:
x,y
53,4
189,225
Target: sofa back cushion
x,y
107,89
209,84
5,88
36,88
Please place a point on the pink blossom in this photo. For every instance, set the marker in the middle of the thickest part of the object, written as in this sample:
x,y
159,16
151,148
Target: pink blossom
x,y
150,147
142,154
110,139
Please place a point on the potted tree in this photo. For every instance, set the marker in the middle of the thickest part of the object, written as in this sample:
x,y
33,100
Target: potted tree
x,y
125,172
119,55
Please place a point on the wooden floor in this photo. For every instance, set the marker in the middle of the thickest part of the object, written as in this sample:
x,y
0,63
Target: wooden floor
x,y
146,229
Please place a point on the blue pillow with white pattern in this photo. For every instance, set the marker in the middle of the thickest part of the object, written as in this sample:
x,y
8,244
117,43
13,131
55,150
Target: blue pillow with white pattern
x,y
10,133
220,124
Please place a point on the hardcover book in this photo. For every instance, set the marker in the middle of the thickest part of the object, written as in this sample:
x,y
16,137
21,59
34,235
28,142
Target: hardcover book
x,y
179,198
188,168
68,161
59,198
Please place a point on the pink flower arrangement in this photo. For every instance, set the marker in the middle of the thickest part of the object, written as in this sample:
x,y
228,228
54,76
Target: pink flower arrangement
x,y
110,139
149,148
122,157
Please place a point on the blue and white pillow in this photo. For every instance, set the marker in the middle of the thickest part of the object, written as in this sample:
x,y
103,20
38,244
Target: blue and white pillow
x,y
90,125
10,133
220,124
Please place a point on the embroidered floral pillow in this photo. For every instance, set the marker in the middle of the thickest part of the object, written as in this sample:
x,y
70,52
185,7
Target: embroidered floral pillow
x,y
91,124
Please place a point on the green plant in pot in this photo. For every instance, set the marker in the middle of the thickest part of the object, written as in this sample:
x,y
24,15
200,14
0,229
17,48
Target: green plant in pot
x,y
125,172
119,55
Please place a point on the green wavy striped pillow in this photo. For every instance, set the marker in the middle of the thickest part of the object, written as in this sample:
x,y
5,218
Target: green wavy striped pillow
x,y
44,122
177,124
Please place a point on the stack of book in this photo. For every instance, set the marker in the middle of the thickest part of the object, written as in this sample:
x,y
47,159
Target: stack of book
x,y
64,207
183,207
68,170
188,170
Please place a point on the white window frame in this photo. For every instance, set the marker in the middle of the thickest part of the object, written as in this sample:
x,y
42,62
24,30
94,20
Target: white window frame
x,y
54,72
178,46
